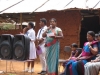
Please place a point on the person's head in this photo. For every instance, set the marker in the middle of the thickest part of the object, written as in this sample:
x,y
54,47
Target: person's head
x,y
96,37
43,22
25,30
53,22
90,36
30,25
74,46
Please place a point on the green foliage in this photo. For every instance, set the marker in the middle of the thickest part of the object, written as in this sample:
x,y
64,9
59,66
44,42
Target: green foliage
x,y
7,27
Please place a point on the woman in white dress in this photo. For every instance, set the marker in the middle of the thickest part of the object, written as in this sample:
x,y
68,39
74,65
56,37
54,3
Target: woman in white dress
x,y
32,51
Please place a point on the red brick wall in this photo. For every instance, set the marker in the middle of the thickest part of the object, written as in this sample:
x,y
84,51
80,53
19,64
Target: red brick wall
x,y
13,32
69,21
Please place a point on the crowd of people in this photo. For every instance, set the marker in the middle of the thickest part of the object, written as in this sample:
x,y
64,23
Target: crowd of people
x,y
86,63
45,44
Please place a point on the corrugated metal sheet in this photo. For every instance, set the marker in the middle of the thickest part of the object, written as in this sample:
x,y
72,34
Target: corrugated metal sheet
x,y
7,3
54,5
93,4
37,5
25,6
77,4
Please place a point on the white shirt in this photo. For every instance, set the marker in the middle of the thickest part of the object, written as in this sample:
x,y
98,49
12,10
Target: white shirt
x,y
41,31
31,34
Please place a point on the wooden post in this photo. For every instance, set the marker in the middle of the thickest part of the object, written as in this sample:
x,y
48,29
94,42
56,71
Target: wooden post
x,y
15,26
21,19
79,30
79,35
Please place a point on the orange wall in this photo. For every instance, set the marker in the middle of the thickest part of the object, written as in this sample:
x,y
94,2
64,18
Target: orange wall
x,y
69,21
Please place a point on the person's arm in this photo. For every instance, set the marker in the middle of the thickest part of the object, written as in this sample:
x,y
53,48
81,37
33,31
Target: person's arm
x,y
31,35
76,54
96,60
85,57
70,56
94,49
40,38
45,33
79,55
21,33
60,35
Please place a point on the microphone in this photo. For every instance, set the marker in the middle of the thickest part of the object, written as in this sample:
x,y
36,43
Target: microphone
x,y
50,26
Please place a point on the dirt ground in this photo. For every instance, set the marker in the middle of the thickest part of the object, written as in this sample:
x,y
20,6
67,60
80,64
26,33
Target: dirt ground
x,y
16,68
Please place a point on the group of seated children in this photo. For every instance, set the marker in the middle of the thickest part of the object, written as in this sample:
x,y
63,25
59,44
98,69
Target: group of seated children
x,y
84,61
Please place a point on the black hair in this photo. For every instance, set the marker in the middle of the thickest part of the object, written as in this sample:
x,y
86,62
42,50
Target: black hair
x,y
31,24
43,20
91,33
53,19
74,45
96,35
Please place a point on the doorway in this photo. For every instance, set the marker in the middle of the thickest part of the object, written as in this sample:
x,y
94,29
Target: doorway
x,y
88,23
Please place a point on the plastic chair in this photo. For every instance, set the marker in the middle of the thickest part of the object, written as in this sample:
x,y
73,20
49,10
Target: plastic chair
x,y
79,50
67,51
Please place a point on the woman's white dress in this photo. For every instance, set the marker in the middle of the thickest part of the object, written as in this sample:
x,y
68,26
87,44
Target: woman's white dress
x,y
32,52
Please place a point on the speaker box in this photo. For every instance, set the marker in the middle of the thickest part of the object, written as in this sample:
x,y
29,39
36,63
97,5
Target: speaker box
x,y
0,37
6,46
21,47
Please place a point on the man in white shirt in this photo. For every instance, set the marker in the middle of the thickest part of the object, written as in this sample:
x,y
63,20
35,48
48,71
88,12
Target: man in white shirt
x,y
41,44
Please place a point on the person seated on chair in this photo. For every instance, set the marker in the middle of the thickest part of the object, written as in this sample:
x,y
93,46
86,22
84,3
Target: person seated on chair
x,y
74,53
93,67
90,49
96,37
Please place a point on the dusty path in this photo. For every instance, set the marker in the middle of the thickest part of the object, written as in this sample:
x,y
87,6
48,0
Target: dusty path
x,y
17,68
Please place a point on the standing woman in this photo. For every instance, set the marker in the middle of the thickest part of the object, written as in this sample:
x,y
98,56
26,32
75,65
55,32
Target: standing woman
x,y
32,51
52,47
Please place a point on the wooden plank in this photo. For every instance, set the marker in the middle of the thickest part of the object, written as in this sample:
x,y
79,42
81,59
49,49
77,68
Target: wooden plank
x,y
21,19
